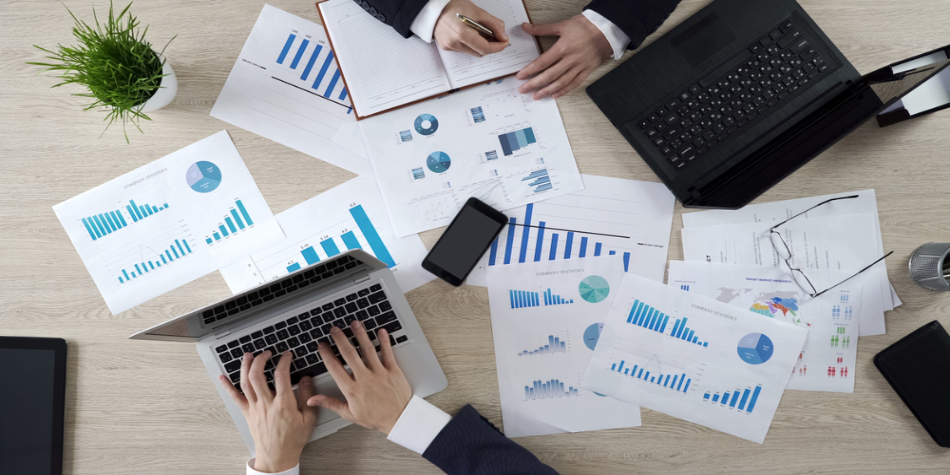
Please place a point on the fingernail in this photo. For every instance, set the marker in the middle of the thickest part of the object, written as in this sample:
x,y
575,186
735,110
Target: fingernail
x,y
356,324
322,344
247,356
334,330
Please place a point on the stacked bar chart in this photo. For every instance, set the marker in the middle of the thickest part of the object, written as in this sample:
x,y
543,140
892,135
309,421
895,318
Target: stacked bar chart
x,y
314,60
175,251
479,116
492,155
554,345
235,221
549,389
741,399
539,180
405,136
349,240
101,225
537,235
511,142
678,383
650,318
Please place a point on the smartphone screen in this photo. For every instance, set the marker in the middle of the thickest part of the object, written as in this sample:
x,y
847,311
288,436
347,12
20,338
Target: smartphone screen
x,y
463,243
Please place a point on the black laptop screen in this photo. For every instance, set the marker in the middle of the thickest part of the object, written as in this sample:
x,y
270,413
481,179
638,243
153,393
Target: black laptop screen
x,y
27,412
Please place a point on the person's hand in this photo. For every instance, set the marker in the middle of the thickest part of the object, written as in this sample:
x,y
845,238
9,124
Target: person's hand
x,y
453,35
377,391
280,423
581,48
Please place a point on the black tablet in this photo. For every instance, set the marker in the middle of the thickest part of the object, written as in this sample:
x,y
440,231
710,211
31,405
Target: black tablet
x,y
32,405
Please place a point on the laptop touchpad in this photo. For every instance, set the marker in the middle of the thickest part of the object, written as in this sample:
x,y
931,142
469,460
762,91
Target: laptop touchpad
x,y
702,40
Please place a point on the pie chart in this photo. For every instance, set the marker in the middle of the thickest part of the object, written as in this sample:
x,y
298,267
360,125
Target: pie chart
x,y
594,289
592,334
427,124
438,162
203,177
755,348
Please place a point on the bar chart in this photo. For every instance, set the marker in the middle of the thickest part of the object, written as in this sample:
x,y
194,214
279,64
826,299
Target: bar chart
x,y
535,238
478,115
679,383
539,179
742,399
162,257
553,346
236,220
645,316
358,232
527,299
550,389
511,142
313,60
103,224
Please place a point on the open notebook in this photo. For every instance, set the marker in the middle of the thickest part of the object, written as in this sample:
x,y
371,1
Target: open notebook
x,y
382,70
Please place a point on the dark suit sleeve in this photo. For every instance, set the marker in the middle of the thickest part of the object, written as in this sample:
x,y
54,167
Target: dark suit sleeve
x,y
469,444
398,14
636,18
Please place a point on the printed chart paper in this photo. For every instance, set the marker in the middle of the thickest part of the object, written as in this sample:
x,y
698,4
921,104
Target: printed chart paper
x,y
286,86
487,142
816,244
350,216
169,222
828,360
778,211
694,358
546,320
610,216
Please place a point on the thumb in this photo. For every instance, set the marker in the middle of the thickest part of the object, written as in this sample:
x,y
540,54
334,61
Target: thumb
x,y
544,29
496,26
341,408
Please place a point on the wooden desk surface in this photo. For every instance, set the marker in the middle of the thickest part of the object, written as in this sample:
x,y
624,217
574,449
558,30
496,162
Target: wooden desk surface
x,y
149,407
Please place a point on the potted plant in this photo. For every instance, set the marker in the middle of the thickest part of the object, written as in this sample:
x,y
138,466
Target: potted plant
x,y
118,66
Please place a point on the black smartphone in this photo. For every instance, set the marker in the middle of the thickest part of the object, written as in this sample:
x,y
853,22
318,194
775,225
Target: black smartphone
x,y
461,246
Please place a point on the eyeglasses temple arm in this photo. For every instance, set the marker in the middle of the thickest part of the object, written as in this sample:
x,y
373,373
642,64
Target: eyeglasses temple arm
x,y
855,275
813,207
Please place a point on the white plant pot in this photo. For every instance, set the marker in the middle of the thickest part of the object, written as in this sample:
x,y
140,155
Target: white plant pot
x,y
166,91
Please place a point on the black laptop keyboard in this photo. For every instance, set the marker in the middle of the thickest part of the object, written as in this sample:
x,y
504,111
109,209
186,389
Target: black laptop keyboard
x,y
767,74
369,305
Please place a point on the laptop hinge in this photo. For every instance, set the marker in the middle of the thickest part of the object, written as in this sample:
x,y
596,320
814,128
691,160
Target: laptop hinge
x,y
694,193
222,334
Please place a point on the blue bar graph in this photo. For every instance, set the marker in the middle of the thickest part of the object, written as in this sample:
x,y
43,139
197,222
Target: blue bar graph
x,y
300,51
729,398
554,345
553,247
511,142
323,70
525,233
372,236
231,225
293,267
154,264
287,45
539,245
313,59
237,218
349,239
511,239
662,380
568,243
247,217
240,216
100,225
550,389
524,299
645,316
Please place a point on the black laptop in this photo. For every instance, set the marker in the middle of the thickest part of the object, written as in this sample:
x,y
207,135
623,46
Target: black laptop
x,y
741,95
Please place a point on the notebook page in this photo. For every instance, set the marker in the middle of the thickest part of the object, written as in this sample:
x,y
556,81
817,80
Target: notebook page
x,y
464,69
382,69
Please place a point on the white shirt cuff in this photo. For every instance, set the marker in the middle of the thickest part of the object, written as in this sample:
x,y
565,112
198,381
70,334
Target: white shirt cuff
x,y
424,24
251,471
418,425
615,36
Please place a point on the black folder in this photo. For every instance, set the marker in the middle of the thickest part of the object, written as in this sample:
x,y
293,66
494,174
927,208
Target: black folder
x,y
918,368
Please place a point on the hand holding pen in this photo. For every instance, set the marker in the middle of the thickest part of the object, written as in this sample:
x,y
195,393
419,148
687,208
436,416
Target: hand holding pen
x,y
456,30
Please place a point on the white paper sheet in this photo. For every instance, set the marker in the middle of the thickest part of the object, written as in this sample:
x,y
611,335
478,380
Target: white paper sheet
x,y
610,216
286,86
169,222
720,350
828,360
830,242
346,217
778,211
488,142
546,319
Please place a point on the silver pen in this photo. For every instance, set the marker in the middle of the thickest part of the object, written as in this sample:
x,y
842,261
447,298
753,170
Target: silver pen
x,y
477,27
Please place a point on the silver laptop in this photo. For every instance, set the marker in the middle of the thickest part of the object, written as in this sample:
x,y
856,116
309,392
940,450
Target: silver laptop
x,y
295,313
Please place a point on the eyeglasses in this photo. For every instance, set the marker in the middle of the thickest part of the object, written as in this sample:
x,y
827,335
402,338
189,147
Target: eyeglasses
x,y
785,252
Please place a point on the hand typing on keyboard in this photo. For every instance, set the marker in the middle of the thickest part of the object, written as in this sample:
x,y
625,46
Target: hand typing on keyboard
x,y
280,422
377,391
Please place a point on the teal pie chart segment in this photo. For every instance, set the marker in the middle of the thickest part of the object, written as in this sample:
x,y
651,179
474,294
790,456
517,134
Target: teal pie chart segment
x,y
594,289
203,177
755,348
426,124
438,162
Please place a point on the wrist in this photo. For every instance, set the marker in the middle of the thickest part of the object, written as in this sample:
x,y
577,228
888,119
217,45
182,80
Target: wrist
x,y
265,464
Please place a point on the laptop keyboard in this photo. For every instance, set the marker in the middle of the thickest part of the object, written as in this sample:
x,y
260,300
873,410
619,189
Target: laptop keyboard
x,y
301,334
701,118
